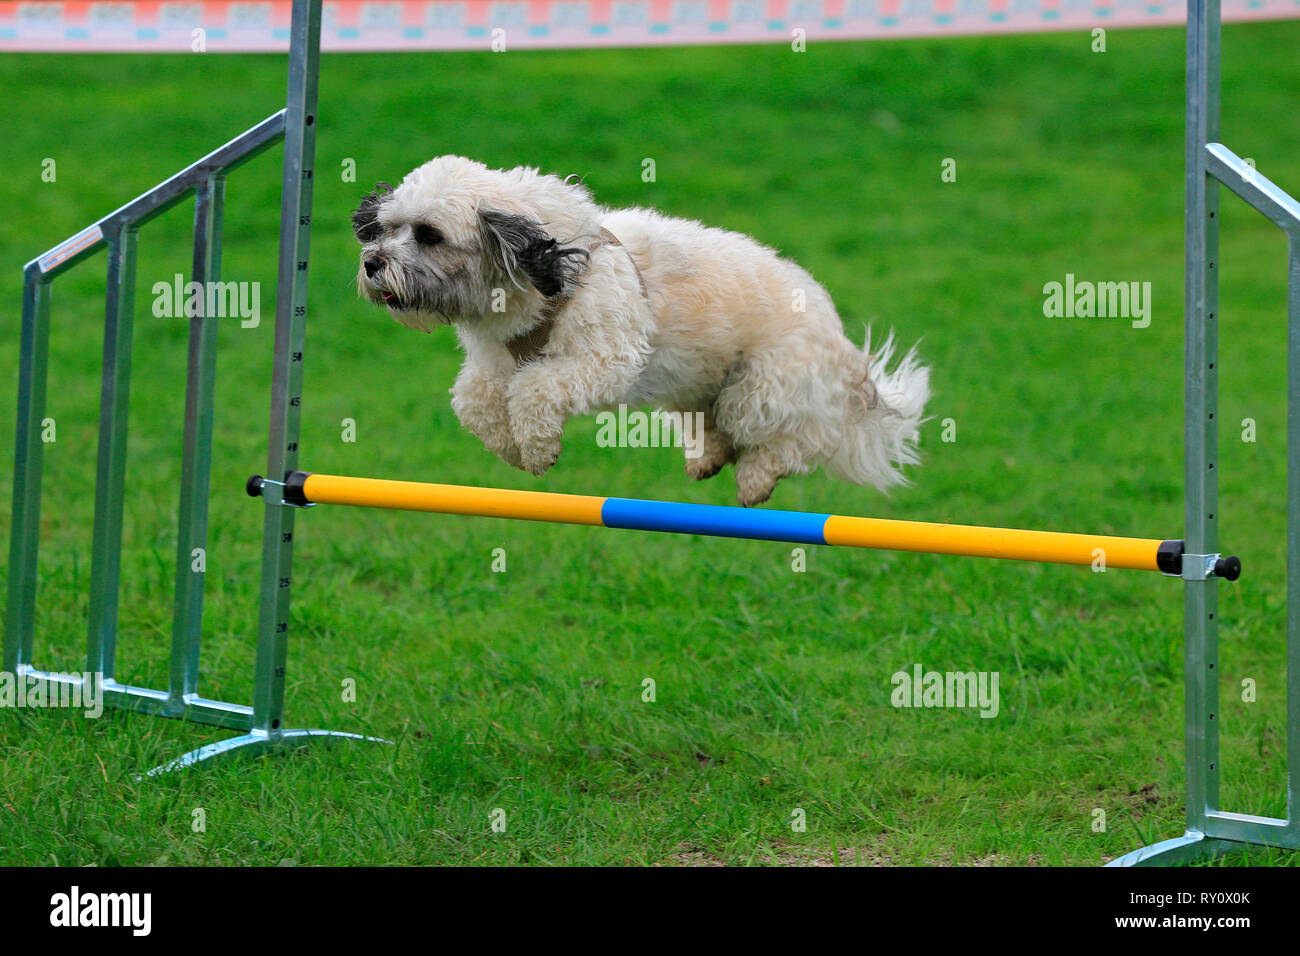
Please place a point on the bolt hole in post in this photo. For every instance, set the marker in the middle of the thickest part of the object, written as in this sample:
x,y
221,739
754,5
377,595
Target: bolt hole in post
x,y
310,120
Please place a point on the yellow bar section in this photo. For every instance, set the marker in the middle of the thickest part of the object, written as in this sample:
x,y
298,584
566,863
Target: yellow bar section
x,y
1057,547
453,499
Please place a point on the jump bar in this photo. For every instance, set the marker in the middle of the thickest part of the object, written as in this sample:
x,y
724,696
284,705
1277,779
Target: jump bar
x,y
1056,547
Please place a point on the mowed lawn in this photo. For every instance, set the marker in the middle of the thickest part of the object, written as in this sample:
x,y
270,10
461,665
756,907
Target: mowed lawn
x,y
518,696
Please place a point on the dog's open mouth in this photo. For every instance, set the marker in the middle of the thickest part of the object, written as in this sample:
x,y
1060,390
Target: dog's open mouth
x,y
390,299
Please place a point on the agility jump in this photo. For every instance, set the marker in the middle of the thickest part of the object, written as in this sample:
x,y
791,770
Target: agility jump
x,y
287,490
303,488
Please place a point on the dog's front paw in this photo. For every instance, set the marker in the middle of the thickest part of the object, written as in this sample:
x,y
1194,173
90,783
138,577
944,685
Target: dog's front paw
x,y
539,456
502,444
714,456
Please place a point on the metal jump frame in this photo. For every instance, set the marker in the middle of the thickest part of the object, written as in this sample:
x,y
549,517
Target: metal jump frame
x,y
1210,830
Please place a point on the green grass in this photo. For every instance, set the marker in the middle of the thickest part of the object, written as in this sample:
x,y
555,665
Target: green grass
x,y
522,691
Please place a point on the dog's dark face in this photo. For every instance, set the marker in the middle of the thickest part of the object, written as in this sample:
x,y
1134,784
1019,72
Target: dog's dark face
x,y
436,250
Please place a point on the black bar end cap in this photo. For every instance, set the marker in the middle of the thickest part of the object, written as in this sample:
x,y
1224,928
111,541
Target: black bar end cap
x,y
1169,556
294,483
1228,568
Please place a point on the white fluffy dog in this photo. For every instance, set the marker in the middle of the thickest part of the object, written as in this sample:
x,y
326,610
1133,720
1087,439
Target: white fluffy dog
x,y
564,308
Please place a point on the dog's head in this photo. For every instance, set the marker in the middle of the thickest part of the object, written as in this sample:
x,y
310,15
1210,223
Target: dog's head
x,y
458,242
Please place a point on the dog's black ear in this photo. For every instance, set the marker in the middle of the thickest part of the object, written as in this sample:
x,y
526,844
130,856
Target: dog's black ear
x,y
365,221
521,245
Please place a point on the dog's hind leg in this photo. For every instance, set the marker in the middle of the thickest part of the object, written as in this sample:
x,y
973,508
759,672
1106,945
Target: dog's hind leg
x,y
766,407
714,449
759,469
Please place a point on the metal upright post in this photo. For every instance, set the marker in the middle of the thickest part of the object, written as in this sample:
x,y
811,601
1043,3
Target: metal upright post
x,y
196,464
1200,430
290,341
25,535
106,547
1293,531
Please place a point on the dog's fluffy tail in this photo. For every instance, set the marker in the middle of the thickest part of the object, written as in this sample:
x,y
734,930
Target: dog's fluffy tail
x,y
883,426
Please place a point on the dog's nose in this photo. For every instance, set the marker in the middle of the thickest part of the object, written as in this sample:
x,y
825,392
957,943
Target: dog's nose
x,y
373,265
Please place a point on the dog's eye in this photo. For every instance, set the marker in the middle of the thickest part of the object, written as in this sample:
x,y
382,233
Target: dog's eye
x,y
426,235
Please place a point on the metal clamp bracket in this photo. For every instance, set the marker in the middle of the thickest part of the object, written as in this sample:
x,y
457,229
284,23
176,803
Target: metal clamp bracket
x,y
1203,567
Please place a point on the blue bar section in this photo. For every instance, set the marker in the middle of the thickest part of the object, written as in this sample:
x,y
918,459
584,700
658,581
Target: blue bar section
x,y
718,520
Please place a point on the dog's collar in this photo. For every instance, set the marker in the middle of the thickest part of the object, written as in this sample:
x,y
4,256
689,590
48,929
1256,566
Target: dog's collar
x,y
528,346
